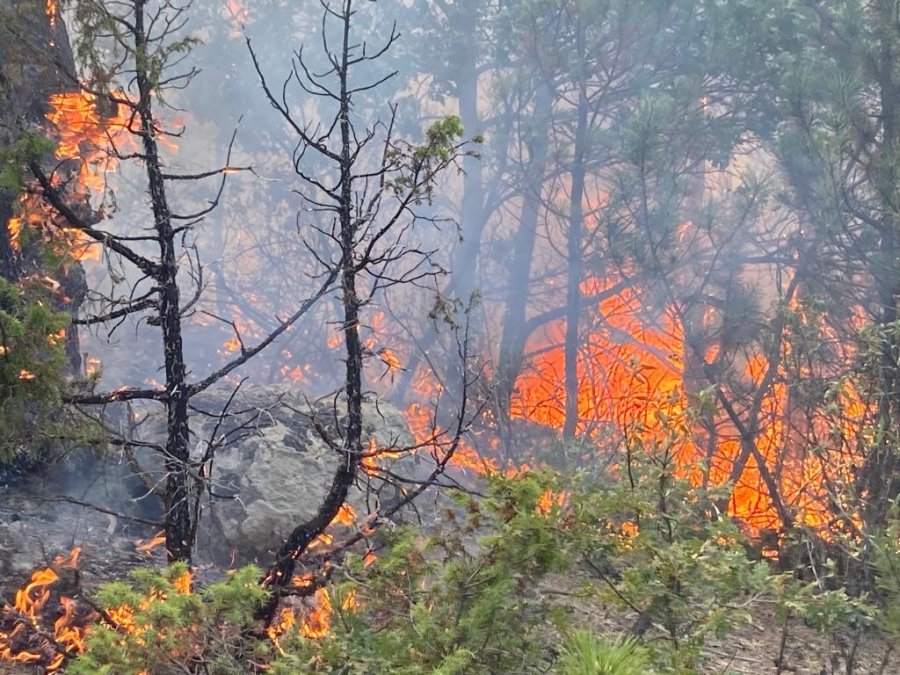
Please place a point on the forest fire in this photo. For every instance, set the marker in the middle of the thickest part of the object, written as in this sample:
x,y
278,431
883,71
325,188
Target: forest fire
x,y
44,628
632,383
34,630
84,133
87,141
310,618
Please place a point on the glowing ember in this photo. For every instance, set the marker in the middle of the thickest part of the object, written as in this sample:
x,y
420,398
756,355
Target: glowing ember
x,y
52,10
231,345
14,226
92,365
350,602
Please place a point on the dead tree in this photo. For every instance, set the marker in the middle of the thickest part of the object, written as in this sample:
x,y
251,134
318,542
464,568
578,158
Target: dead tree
x,y
148,38
362,186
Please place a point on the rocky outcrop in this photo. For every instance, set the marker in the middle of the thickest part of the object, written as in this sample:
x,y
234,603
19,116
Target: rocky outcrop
x,y
274,466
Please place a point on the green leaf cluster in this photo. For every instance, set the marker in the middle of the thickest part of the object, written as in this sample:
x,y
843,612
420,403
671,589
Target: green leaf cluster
x,y
173,631
584,653
32,370
27,147
413,169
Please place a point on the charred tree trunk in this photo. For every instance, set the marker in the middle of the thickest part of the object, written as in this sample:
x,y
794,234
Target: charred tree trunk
x,y
177,456
283,569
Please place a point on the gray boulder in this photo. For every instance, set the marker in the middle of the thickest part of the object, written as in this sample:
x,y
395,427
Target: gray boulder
x,y
272,467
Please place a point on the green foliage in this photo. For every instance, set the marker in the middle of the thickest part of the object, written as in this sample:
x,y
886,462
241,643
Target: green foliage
x,y
886,564
32,370
476,594
173,630
414,168
27,147
824,610
463,600
102,40
661,549
584,653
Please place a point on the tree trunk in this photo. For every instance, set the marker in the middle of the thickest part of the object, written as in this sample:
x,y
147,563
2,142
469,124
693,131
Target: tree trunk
x,y
513,338
177,455
283,569
576,226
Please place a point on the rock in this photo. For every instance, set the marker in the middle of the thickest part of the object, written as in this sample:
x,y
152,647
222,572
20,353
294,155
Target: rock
x,y
275,469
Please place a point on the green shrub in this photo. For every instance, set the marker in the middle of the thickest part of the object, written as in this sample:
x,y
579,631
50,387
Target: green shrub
x,y
584,653
886,564
474,594
661,550
157,625
462,600
32,371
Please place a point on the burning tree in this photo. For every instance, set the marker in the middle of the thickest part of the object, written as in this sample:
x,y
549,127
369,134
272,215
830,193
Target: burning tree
x,y
367,214
41,279
160,255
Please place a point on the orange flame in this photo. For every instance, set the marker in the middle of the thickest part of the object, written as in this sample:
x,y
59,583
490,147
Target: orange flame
x,y
27,642
631,374
83,135
83,140
52,10
548,501
317,621
146,546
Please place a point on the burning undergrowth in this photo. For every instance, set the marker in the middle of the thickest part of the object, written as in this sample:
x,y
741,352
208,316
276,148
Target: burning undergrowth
x,y
44,626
